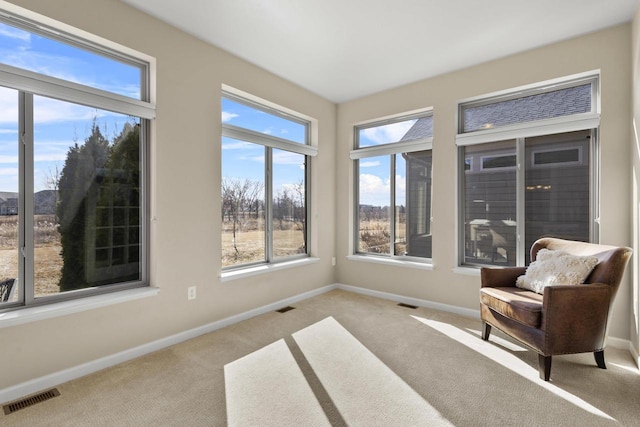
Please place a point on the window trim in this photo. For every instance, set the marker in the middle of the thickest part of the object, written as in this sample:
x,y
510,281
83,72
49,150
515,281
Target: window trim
x,y
28,84
569,123
269,143
392,150
518,133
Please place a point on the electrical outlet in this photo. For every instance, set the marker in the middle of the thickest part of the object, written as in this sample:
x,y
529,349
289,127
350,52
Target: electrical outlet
x,y
333,261
191,293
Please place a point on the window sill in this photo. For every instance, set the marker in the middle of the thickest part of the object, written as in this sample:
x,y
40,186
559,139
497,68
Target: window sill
x,y
392,262
49,311
228,276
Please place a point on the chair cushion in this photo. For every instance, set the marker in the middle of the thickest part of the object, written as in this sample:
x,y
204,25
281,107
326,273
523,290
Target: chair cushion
x,y
520,305
553,268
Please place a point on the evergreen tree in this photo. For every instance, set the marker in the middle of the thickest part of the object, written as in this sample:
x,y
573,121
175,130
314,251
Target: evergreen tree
x,y
80,175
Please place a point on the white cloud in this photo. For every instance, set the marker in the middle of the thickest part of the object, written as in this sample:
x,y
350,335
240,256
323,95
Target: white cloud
x,y
8,159
287,158
376,191
388,133
226,117
9,172
369,164
14,33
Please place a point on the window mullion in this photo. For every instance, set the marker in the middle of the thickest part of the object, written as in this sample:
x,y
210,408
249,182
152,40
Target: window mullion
x,y
268,203
25,211
520,202
594,189
392,206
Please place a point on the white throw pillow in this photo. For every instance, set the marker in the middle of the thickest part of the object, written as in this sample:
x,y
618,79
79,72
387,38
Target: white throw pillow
x,y
553,268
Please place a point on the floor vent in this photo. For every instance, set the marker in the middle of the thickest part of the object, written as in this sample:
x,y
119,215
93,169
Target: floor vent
x,y
413,307
30,401
285,309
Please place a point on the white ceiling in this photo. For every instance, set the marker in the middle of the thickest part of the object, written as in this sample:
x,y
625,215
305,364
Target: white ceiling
x,y
346,49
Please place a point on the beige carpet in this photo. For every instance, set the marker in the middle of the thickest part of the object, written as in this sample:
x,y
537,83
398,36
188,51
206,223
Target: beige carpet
x,y
436,361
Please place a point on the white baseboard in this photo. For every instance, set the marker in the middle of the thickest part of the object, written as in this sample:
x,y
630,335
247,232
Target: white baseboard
x,y
412,301
33,386
619,343
634,355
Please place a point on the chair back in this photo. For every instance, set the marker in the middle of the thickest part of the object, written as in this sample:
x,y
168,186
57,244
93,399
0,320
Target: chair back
x,y
612,260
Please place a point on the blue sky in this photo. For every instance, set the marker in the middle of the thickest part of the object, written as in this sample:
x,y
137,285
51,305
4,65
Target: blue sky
x,y
58,125
244,160
375,172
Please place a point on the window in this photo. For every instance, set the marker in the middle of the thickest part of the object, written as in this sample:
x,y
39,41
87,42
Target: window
x,y
393,169
265,184
74,128
539,181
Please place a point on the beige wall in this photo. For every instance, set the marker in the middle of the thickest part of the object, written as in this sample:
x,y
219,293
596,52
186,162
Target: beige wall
x,y
635,194
606,50
186,187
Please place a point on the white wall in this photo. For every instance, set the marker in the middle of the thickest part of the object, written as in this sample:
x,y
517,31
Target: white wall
x,y
186,188
606,50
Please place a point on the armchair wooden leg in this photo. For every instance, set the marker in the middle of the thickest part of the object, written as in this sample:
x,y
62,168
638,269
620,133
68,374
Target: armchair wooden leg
x,y
486,330
599,356
544,367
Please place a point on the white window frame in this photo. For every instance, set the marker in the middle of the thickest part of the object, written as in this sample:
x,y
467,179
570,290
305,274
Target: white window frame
x,y
29,84
518,133
270,142
390,149
546,165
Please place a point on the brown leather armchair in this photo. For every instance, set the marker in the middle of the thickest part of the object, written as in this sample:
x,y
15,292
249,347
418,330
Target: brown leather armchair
x,y
565,319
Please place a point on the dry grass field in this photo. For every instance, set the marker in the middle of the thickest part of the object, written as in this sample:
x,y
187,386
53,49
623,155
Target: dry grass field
x,y
48,261
375,237
287,240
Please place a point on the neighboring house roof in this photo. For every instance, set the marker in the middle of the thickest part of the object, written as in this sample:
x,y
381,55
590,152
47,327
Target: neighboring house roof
x,y
6,195
558,103
422,128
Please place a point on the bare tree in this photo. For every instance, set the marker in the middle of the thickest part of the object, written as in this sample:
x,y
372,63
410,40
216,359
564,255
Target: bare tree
x,y
239,196
52,182
300,210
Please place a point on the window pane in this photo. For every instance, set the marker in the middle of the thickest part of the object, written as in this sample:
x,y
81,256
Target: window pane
x,y
374,228
490,206
245,116
557,194
557,103
33,52
243,214
413,204
86,197
9,188
402,131
289,206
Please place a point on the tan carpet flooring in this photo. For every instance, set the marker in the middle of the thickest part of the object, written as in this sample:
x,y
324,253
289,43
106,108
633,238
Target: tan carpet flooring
x,y
437,358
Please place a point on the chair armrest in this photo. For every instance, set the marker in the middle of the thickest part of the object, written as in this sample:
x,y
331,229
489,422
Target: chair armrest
x,y
575,317
500,277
